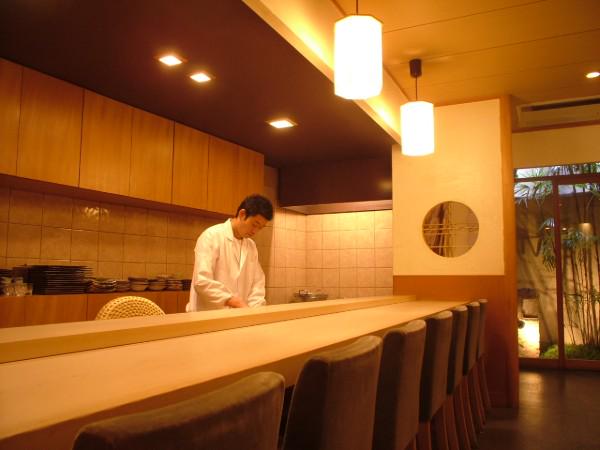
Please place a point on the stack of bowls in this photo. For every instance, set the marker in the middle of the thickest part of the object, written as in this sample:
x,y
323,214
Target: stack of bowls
x,y
138,284
157,284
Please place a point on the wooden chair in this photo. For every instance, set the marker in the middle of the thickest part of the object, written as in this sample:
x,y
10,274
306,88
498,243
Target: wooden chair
x,y
129,306
485,394
466,387
244,414
397,408
333,404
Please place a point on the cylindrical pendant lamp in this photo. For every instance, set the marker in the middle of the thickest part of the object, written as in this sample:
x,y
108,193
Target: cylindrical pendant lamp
x,y
417,128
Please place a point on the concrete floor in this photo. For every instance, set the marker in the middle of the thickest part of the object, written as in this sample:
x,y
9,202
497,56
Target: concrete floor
x,y
559,410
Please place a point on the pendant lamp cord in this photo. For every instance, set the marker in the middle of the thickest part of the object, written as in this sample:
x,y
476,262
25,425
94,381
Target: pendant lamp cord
x,y
416,90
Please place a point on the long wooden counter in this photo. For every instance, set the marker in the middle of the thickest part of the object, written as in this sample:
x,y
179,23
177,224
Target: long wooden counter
x,y
44,401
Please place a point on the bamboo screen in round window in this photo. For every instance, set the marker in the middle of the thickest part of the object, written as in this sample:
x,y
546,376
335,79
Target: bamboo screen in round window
x,y
450,229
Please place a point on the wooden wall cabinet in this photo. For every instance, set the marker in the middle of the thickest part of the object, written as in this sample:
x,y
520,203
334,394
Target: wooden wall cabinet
x,y
44,309
190,167
151,157
222,179
105,144
10,111
50,130
250,173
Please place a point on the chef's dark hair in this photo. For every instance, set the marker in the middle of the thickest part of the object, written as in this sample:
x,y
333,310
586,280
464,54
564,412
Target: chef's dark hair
x,y
255,205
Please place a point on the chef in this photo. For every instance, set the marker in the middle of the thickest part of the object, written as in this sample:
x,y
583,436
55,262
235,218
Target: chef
x,y
226,268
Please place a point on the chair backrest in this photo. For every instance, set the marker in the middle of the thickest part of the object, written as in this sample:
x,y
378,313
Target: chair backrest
x,y
435,364
333,404
397,408
472,337
482,315
129,306
244,414
460,317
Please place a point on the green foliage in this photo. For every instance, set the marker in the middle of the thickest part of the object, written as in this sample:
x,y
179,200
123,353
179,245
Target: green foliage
x,y
573,351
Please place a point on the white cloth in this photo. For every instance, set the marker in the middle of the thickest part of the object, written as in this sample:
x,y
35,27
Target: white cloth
x,y
222,271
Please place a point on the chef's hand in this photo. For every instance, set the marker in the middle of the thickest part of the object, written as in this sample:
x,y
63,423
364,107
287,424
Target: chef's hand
x,y
236,302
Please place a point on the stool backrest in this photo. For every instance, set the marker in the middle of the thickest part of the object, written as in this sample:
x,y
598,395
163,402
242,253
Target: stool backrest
x,y
129,306
244,414
472,337
483,303
333,404
435,364
397,409
460,317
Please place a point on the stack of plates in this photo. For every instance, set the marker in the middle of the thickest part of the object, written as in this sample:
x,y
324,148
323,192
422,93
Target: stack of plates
x,y
186,284
123,285
157,284
58,279
138,283
102,285
173,284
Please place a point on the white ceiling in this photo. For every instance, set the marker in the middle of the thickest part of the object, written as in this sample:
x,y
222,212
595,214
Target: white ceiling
x,y
533,50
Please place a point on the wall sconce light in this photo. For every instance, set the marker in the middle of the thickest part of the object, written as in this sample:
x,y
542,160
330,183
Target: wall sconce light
x,y
417,121
357,57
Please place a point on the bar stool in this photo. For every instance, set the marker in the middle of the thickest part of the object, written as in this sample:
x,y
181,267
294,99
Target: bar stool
x,y
432,426
466,385
247,411
333,404
397,408
454,413
485,393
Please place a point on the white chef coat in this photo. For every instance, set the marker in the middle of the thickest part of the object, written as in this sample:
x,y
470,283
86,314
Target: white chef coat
x,y
223,268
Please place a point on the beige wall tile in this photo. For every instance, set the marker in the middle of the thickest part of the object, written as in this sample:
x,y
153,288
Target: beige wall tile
x,y
264,237
266,256
180,270
24,241
157,223
365,292
279,257
275,296
348,257
135,220
134,249
331,278
347,221
331,259
278,218
314,240
25,207
383,219
331,222
301,258
110,247
300,238
4,204
365,220
111,269
112,218
348,239
93,265
86,215
314,223
13,262
365,257
383,238
176,251
300,278
365,277
348,277
314,259
279,238
57,211
290,258
134,269
365,239
383,277
271,194
348,292
290,277
276,277
384,257
290,220
331,240
384,291
84,245
56,243
156,250
314,278
3,264
3,238
190,256
154,269
301,222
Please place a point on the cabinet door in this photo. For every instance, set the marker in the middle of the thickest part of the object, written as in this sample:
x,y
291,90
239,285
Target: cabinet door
x,y
105,144
250,173
190,167
10,110
222,179
43,309
50,131
151,157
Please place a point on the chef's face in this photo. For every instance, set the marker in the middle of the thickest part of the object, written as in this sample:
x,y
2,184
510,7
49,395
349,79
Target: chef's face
x,y
249,226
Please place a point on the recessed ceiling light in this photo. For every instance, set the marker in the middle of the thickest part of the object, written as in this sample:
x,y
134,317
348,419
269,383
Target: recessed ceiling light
x,y
281,123
592,74
170,60
200,77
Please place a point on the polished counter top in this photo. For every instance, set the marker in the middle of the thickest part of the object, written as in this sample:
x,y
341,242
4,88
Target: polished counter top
x,y
53,396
